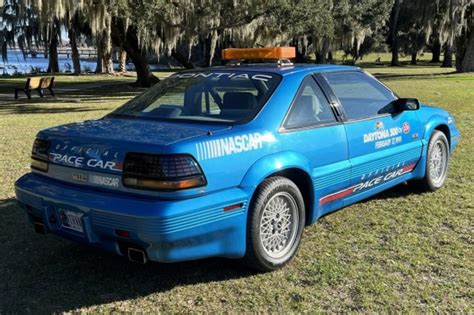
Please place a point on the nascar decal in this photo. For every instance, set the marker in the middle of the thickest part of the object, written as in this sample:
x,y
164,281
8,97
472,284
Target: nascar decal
x,y
228,146
369,183
107,181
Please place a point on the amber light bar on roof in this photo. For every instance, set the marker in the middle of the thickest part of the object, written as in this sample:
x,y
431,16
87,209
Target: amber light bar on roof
x,y
259,53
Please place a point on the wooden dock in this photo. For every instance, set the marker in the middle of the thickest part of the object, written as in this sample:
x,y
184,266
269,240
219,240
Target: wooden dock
x,y
85,53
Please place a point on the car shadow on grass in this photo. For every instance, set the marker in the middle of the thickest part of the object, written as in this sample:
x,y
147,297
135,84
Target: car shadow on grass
x,y
401,190
46,274
400,76
14,109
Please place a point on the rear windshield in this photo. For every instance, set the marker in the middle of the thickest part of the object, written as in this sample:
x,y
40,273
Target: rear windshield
x,y
207,96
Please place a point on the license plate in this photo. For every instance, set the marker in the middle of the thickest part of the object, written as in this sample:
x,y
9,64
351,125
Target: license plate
x,y
71,220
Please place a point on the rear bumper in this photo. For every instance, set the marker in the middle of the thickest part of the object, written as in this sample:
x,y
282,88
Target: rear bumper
x,y
166,230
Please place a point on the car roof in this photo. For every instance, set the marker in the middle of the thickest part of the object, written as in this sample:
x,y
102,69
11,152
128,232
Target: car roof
x,y
287,69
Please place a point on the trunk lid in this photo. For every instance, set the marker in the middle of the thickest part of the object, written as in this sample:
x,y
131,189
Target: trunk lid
x,y
80,150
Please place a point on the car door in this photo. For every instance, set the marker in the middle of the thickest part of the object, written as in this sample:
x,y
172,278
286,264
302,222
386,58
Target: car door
x,y
382,145
312,128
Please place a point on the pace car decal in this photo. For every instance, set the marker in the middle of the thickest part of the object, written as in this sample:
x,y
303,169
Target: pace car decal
x,y
94,158
367,184
228,146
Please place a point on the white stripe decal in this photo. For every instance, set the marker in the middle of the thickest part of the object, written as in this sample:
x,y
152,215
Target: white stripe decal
x,y
204,152
209,152
216,148
197,152
211,149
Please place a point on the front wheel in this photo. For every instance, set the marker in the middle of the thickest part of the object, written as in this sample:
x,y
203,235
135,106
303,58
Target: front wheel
x,y
275,224
437,162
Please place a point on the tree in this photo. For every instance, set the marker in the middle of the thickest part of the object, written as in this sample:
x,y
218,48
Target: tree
x,y
19,24
75,27
465,43
411,34
358,23
393,32
53,39
126,37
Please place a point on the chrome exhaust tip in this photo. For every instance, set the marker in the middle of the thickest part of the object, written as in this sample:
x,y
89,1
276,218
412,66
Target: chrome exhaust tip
x,y
136,255
40,228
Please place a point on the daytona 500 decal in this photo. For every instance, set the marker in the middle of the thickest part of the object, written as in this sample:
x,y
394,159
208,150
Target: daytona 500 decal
x,y
367,184
386,137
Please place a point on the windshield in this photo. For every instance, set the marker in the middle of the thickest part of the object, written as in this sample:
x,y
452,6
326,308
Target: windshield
x,y
207,96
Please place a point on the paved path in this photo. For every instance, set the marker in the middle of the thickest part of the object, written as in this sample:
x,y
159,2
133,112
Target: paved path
x,y
66,89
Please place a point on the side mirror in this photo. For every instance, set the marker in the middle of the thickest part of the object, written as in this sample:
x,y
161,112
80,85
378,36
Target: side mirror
x,y
400,105
403,104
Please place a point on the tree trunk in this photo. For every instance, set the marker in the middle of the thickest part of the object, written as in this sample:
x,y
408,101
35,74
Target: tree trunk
x,y
436,51
53,66
122,60
182,59
322,55
300,56
413,58
128,40
330,57
465,51
107,63
448,56
76,58
394,31
99,68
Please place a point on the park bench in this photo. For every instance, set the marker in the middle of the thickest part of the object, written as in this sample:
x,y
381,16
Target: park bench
x,y
37,84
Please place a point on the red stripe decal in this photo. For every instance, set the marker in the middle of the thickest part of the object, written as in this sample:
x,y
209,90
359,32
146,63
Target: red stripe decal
x,y
409,167
336,196
350,190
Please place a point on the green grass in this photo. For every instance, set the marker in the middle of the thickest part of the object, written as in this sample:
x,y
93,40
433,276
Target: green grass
x,y
399,251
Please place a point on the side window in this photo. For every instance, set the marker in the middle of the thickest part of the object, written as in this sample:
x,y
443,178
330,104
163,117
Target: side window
x,y
310,107
208,104
361,95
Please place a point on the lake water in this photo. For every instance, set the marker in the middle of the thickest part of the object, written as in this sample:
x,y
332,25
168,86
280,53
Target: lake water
x,y
17,64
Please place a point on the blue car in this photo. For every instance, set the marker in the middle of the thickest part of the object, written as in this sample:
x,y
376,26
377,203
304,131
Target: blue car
x,y
232,161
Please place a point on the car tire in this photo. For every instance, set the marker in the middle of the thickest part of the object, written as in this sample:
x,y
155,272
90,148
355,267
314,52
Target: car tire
x,y
275,224
437,162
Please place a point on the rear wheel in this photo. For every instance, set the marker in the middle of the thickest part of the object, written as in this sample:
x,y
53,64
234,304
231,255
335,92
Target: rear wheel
x,y
275,224
437,162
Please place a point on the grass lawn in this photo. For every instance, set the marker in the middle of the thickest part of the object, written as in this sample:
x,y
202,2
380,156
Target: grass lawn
x,y
399,251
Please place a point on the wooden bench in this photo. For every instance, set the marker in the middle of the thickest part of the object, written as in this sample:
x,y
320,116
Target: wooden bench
x,y
37,84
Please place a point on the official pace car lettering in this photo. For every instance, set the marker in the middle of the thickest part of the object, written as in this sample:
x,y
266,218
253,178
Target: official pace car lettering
x,y
79,161
228,146
367,184
229,75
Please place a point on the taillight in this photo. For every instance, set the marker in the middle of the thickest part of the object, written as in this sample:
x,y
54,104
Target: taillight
x,y
162,172
39,155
